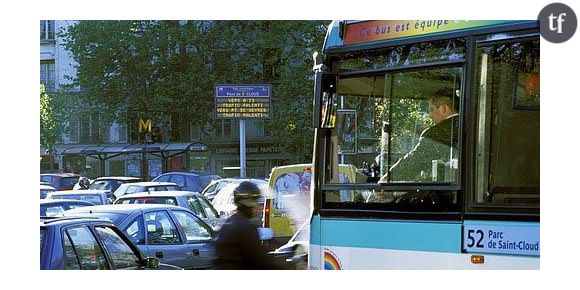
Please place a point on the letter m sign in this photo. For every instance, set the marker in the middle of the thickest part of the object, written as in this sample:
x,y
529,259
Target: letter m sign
x,y
144,126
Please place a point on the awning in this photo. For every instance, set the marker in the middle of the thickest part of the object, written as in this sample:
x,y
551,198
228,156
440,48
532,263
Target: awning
x,y
109,151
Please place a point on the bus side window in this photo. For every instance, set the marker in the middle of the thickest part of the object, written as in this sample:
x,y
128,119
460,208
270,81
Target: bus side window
x,y
508,140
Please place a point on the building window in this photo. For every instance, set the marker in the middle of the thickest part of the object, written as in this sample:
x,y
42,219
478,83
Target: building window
x,y
195,132
46,29
74,129
47,75
223,129
254,129
90,128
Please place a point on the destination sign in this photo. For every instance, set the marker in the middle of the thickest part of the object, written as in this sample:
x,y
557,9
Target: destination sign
x,y
243,102
501,238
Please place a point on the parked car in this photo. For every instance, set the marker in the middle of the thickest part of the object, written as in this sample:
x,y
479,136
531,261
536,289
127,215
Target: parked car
x,y
45,189
60,181
190,181
193,201
147,186
173,234
89,244
96,197
224,199
112,183
216,185
55,207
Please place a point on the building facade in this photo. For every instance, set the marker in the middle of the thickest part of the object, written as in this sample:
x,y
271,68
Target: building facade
x,y
141,146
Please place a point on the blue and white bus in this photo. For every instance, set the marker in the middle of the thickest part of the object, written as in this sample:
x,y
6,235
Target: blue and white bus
x,y
463,196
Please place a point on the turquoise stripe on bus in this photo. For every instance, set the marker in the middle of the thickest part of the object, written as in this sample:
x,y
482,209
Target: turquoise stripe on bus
x,y
396,235
315,230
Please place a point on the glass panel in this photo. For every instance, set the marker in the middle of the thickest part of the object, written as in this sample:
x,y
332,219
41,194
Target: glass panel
x,y
160,229
508,125
379,199
423,126
209,210
195,206
47,75
51,211
122,256
74,129
412,54
135,230
179,180
194,229
407,125
89,252
71,261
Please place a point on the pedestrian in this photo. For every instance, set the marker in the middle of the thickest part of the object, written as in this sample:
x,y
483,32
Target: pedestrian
x,y
83,183
237,243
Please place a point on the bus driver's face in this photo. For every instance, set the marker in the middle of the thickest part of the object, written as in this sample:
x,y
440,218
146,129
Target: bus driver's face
x,y
438,113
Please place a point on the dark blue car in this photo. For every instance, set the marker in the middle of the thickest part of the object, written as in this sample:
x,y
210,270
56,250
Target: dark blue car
x,y
190,181
77,243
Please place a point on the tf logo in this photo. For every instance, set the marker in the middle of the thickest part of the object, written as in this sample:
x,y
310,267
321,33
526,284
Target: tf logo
x,y
557,22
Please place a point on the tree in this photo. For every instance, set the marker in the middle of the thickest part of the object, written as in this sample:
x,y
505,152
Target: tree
x,y
49,131
163,67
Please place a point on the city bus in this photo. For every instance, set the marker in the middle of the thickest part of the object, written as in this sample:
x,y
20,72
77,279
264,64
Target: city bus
x,y
441,118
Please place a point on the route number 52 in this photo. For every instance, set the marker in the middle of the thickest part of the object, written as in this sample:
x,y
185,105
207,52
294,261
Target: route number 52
x,y
475,238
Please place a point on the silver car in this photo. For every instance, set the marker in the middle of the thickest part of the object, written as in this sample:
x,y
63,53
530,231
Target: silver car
x,y
170,233
96,197
147,186
193,201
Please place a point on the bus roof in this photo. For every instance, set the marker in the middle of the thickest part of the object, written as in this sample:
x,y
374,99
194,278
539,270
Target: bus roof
x,y
346,33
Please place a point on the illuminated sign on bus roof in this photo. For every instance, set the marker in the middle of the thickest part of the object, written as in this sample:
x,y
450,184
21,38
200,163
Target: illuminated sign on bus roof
x,y
366,31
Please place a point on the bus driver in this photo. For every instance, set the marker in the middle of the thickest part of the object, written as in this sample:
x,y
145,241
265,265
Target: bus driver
x,y
436,143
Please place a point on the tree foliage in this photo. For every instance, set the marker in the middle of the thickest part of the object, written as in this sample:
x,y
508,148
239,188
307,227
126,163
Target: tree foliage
x,y
160,67
49,131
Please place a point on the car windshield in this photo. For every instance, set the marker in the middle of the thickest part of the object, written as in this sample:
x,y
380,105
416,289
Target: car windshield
x,y
204,180
92,198
101,185
69,181
46,178
163,188
149,200
115,218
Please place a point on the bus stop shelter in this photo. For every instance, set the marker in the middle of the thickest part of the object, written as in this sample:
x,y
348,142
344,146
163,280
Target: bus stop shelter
x,y
163,150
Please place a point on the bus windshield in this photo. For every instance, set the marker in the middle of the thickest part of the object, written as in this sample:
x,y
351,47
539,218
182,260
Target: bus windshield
x,y
404,126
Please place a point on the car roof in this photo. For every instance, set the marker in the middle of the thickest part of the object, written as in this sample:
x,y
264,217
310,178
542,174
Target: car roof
x,y
169,193
63,201
122,178
240,180
120,208
60,174
45,221
79,191
195,173
229,188
149,183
